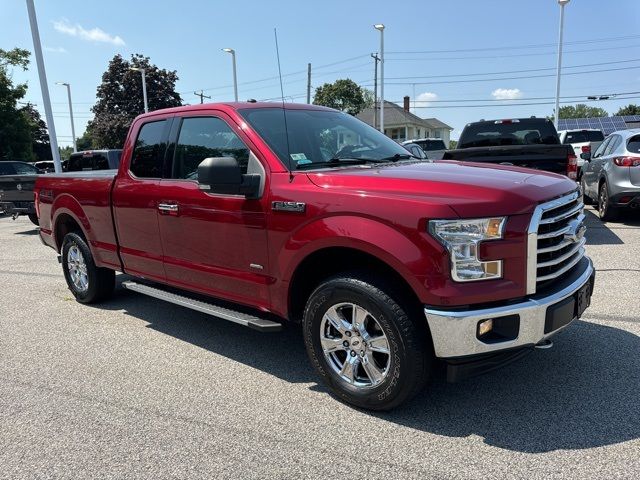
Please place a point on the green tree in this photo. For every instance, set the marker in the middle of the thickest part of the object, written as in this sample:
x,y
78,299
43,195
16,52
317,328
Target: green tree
x,y
15,129
120,98
85,142
581,111
630,109
65,152
344,95
38,131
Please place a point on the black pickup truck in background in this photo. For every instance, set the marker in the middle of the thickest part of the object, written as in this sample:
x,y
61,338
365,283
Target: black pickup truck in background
x,y
522,142
16,189
94,160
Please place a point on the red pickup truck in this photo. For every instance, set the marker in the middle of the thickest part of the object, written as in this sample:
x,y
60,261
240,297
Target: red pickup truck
x,y
260,213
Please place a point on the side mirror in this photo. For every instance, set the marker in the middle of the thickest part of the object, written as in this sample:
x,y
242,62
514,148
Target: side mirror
x,y
223,175
586,156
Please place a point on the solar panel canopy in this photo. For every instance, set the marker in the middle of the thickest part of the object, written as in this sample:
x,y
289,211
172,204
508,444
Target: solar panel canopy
x,y
606,124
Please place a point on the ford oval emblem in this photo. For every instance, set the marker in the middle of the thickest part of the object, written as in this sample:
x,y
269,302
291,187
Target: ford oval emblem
x,y
19,186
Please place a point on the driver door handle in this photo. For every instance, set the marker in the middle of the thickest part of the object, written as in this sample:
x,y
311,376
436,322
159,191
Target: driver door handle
x,y
168,208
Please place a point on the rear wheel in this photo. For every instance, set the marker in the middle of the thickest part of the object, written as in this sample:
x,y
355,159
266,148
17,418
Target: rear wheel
x,y
367,346
606,211
87,282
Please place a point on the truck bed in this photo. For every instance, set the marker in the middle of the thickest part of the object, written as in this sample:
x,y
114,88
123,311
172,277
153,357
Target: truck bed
x,y
550,158
86,197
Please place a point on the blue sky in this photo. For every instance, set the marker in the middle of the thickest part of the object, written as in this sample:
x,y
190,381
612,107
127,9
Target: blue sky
x,y
450,39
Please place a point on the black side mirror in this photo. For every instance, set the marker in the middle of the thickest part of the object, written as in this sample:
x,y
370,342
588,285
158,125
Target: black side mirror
x,y
586,156
223,175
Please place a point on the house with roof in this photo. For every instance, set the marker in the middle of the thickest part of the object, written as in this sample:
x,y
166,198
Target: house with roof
x,y
400,124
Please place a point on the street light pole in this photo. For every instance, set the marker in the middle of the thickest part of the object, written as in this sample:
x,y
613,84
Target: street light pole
x,y
235,78
380,28
37,48
73,129
144,86
556,116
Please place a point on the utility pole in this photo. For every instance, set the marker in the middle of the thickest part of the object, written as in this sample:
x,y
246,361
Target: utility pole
x,y
380,28
73,128
376,59
308,83
202,96
556,116
37,48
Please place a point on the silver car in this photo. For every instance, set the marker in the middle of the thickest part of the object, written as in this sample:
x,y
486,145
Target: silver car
x,y
611,175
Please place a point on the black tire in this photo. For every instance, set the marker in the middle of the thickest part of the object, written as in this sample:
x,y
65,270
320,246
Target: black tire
x,y
586,199
34,219
410,349
100,281
606,211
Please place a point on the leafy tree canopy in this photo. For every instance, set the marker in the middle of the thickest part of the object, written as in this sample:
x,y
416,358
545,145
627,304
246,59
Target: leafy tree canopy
x,y
581,111
120,98
630,109
15,129
344,95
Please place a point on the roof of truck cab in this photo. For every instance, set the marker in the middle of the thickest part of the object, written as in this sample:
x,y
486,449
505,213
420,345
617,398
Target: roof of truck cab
x,y
237,106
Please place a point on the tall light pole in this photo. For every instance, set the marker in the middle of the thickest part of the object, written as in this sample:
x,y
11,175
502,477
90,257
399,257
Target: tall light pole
x,y
380,28
144,85
44,86
556,115
235,78
73,128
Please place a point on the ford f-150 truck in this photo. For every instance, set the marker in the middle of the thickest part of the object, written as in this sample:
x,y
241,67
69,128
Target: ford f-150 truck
x,y
522,142
260,213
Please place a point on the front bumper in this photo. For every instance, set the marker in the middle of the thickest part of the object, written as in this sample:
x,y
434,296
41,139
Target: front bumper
x,y
454,332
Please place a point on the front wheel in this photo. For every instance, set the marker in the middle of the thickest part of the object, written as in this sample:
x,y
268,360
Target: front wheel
x,y
87,282
586,199
365,344
606,211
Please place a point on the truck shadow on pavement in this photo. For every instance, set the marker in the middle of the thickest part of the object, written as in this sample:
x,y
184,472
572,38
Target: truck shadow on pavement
x,y
601,233
580,394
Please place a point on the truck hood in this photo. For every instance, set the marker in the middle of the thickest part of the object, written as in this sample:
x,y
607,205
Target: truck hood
x,y
470,189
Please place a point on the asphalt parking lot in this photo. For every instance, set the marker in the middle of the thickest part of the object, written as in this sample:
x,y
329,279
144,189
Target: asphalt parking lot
x,y
140,388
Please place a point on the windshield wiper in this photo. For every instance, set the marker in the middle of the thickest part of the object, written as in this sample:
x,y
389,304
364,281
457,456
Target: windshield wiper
x,y
338,161
397,156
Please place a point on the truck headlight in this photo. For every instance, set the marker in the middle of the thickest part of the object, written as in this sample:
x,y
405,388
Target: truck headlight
x,y
462,239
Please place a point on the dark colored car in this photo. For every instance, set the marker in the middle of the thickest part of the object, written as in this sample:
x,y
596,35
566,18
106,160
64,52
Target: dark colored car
x,y
415,150
16,189
521,142
94,160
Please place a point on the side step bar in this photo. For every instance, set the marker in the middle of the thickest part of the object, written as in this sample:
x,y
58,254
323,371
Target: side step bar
x,y
256,323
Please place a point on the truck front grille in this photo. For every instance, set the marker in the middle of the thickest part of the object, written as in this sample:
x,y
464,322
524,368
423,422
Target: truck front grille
x,y
555,240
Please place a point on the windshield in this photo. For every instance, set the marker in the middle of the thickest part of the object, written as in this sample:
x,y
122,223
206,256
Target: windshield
x,y
321,138
584,136
532,131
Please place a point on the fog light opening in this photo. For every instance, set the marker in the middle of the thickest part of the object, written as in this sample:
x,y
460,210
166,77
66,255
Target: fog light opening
x,y
485,327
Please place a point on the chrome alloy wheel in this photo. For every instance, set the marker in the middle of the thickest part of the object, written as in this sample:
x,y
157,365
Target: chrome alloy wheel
x,y
354,345
77,269
604,200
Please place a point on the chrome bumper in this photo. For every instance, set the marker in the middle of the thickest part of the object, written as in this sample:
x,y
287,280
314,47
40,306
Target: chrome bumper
x,y
454,332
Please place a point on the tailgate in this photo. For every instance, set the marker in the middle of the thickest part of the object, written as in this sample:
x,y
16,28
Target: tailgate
x,y
16,188
550,158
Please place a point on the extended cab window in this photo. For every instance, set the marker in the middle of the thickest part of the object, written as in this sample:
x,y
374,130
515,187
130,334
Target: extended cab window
x,y
146,161
204,137
25,169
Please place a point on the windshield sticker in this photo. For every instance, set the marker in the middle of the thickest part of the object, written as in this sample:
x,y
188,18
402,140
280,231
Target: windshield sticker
x,y
300,158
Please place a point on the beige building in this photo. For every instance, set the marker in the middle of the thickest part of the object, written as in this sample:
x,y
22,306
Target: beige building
x,y
400,124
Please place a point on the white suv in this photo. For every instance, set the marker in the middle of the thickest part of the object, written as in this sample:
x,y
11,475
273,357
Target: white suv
x,y
580,140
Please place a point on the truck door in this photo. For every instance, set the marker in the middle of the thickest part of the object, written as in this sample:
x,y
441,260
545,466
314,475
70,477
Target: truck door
x,y
136,201
214,244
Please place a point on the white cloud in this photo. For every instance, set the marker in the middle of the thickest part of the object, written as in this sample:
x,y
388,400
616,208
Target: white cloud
x,y
93,35
55,49
506,93
423,100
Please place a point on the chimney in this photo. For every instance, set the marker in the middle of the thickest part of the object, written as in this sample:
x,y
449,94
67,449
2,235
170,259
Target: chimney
x,y
406,103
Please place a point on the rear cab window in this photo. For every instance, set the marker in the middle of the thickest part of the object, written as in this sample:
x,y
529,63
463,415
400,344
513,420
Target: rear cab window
x,y
7,168
527,131
633,144
148,153
583,136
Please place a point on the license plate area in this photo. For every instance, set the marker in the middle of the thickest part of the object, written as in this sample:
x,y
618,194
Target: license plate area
x,y
563,312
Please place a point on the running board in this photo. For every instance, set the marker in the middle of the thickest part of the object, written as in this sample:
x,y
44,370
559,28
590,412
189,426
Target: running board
x,y
256,323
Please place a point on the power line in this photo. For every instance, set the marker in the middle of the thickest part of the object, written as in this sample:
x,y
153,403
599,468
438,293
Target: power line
x,y
577,97
520,47
532,103
515,71
505,78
